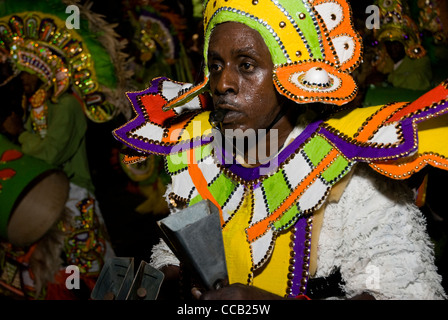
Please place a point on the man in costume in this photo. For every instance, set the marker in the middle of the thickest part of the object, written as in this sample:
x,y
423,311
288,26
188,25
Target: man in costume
x,y
323,216
63,86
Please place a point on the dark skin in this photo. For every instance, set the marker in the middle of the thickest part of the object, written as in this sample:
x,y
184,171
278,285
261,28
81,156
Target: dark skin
x,y
241,83
396,50
13,125
241,69
11,115
30,82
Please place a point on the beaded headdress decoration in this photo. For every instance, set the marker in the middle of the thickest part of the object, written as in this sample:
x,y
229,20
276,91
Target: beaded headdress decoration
x,y
41,44
157,29
313,45
396,24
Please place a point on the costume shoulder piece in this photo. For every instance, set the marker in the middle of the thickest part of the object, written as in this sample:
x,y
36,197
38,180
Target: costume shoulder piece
x,y
295,183
397,139
165,132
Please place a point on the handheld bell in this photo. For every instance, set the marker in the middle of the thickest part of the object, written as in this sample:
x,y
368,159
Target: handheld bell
x,y
194,235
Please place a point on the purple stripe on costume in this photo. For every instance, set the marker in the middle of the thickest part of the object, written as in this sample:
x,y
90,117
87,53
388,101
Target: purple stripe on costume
x,y
431,111
166,150
250,174
352,151
139,120
361,153
299,249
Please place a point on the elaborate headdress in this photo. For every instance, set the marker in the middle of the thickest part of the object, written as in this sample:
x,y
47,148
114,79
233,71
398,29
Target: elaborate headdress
x,y
433,17
313,45
396,24
158,39
36,39
155,27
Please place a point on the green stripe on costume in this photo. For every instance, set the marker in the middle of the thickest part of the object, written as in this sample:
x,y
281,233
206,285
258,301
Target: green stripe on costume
x,y
276,182
316,149
195,200
335,169
176,162
203,152
306,26
287,218
222,188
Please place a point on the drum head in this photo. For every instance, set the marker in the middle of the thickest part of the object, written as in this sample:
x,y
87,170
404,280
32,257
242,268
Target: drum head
x,y
40,206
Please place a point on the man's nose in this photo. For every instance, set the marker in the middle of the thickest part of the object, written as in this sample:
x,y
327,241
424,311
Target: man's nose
x,y
227,81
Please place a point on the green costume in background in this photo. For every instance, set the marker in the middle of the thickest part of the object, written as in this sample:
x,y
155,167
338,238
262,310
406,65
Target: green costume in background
x,y
61,141
83,73
65,143
414,74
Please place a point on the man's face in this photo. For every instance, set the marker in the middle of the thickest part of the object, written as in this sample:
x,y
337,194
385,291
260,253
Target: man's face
x,y
30,83
241,69
396,50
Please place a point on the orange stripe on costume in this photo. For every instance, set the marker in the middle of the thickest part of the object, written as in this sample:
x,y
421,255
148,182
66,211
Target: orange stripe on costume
x,y
378,119
200,182
174,128
434,96
405,170
256,230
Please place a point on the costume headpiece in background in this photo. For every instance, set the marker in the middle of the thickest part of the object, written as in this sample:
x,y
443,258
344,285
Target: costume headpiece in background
x,y
397,25
313,45
155,28
158,37
35,38
433,17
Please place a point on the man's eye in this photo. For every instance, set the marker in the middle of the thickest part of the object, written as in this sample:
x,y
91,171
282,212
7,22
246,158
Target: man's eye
x,y
214,67
246,66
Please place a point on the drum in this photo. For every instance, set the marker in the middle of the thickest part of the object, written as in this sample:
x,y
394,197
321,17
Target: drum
x,y
32,195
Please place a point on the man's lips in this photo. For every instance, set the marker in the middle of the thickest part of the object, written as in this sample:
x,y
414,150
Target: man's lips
x,y
231,114
230,117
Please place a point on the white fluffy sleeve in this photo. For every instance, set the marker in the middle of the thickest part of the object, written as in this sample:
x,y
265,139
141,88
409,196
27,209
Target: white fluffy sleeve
x,y
378,238
161,254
